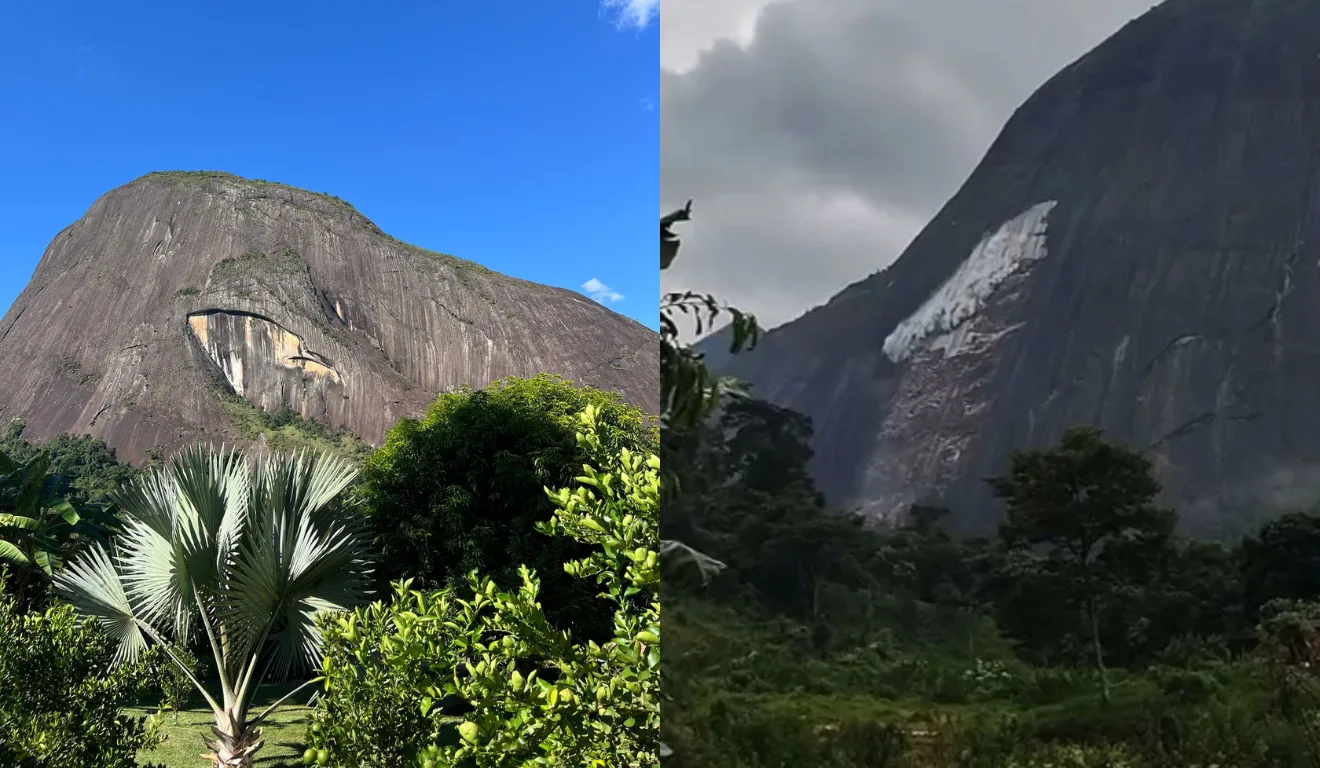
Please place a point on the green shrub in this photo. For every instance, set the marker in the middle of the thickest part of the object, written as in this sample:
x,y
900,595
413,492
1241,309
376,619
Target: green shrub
x,y
1187,686
462,490
369,713
62,699
985,741
175,684
1049,685
479,676
1076,756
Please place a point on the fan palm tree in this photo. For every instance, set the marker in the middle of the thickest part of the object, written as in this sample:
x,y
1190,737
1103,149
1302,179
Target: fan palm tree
x,y
251,553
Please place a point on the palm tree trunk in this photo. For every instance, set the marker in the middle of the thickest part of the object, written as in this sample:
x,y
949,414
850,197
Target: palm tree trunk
x,y
234,746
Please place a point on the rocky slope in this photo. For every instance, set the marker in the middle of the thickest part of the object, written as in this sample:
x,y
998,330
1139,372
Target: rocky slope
x,y
714,347
1137,250
179,293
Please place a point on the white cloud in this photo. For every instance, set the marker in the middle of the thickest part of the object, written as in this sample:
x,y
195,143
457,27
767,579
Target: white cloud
x,y
689,27
636,14
601,292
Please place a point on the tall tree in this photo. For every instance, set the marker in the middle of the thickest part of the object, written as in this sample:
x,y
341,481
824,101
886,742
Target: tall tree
x,y
768,447
1091,506
689,393
1282,561
463,489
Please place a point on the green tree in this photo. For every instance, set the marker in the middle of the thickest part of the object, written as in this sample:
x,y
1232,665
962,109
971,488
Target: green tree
x,y
689,393
1191,607
768,447
1282,561
462,489
1091,505
479,676
173,675
251,554
87,468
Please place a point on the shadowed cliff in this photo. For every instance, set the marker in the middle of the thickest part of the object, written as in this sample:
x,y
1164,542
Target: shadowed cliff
x,y
179,293
1137,251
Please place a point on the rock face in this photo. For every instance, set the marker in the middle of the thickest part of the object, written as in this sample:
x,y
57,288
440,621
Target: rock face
x,y
178,288
1138,251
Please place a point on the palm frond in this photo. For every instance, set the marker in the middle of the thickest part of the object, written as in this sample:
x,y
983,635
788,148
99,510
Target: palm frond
x,y
93,586
328,572
295,559
256,551
683,554
155,574
211,506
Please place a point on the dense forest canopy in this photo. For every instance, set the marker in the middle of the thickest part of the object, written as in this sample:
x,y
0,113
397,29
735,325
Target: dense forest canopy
x,y
1086,606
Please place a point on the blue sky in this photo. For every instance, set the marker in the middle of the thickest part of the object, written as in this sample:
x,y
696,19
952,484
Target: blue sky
x,y
521,135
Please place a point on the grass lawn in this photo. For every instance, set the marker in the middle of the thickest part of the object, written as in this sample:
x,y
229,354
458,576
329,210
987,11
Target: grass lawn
x,y
282,732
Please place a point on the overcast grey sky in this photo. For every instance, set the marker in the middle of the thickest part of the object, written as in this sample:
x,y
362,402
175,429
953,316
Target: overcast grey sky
x,y
817,137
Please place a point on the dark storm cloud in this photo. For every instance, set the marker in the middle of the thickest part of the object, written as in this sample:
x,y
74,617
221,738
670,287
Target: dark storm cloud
x,y
818,146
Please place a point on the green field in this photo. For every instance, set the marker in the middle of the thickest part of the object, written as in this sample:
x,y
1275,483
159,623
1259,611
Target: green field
x,y
283,731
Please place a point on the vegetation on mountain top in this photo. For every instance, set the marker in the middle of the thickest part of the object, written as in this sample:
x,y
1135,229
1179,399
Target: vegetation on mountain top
x,y
201,177
287,431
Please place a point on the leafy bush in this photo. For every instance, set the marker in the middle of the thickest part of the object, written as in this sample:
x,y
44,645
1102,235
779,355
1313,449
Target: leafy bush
x,y
462,490
1076,756
62,700
480,677
175,676
1187,686
1049,685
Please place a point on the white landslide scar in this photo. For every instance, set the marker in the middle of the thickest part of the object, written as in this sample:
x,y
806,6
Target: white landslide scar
x,y
1018,241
